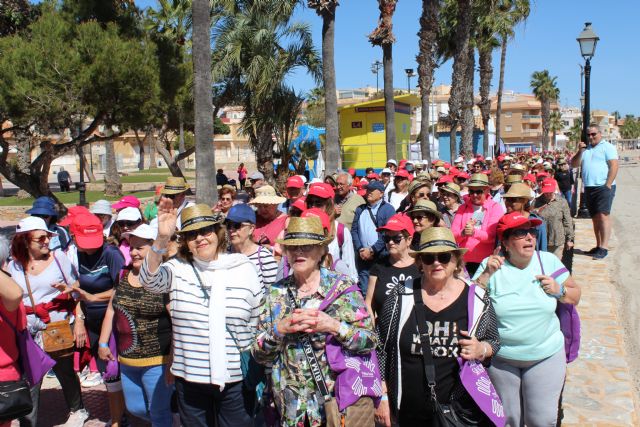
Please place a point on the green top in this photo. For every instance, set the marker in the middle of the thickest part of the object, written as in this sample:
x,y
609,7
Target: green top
x,y
150,211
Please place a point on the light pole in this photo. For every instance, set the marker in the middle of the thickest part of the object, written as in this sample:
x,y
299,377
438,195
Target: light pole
x,y
375,69
81,185
410,74
588,41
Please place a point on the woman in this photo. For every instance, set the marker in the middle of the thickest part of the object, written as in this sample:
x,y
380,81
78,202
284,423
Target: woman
x,y
99,268
525,287
396,268
242,174
214,306
44,277
225,199
419,189
442,309
554,210
102,209
450,198
282,321
423,215
496,182
128,219
143,337
518,199
240,222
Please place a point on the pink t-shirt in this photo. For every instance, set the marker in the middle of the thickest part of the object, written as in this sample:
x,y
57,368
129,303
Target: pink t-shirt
x,y
270,230
9,369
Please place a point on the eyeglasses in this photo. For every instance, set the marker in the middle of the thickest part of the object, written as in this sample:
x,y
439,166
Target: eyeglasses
x,y
429,259
422,195
341,184
510,200
204,232
300,248
169,196
395,239
316,202
592,134
420,217
226,199
42,239
129,224
476,191
521,233
232,225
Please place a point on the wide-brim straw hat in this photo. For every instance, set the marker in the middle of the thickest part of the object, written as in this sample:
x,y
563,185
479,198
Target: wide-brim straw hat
x,y
198,216
175,185
425,206
451,187
304,231
416,184
519,168
478,180
266,195
518,190
513,179
436,240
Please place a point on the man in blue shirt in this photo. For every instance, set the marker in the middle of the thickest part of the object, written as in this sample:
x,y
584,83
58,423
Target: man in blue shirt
x,y
599,163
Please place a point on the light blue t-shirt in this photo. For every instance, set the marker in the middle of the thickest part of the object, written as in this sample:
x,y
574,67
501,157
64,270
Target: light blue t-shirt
x,y
594,163
527,322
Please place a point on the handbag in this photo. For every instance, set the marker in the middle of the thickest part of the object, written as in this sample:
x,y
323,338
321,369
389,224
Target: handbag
x,y
15,400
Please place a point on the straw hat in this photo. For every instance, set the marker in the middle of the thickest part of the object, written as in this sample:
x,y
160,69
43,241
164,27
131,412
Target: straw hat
x,y
416,184
478,180
266,195
518,167
519,190
198,216
175,185
304,231
435,240
426,206
513,179
451,187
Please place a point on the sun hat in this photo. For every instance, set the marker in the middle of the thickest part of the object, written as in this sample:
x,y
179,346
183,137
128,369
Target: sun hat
x,y
322,190
441,169
398,222
101,207
129,214
518,190
43,205
241,213
304,231
423,205
175,185
417,184
515,220
32,223
143,231
385,170
518,167
266,195
438,163
320,214
256,175
549,185
513,179
295,182
72,211
561,162
375,185
87,230
393,162
478,180
198,216
451,187
436,240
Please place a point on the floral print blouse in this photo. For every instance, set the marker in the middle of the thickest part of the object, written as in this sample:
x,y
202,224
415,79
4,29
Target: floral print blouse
x,y
293,386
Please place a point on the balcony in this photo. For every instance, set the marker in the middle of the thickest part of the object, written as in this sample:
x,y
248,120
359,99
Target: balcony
x,y
532,132
531,118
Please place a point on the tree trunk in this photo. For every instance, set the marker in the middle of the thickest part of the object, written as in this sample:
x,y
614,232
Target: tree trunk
x,y
555,139
486,74
181,147
426,67
503,60
112,185
468,122
87,167
332,135
546,108
150,139
141,143
206,191
23,158
262,144
389,102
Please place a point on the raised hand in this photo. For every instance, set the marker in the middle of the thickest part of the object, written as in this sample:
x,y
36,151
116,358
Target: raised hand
x,y
167,218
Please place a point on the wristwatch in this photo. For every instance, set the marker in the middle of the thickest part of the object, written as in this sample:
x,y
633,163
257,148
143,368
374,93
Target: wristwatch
x,y
80,316
158,251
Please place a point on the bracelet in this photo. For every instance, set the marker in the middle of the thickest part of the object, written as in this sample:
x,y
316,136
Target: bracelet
x,y
103,345
484,351
562,292
384,397
158,251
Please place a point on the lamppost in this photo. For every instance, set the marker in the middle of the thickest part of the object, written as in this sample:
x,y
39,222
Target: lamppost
x,y
410,74
375,69
81,185
588,41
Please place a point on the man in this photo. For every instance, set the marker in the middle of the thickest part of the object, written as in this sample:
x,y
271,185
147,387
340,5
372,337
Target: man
x,y
45,207
294,190
599,163
564,177
385,177
346,200
64,180
368,243
399,192
256,179
221,178
269,220
175,188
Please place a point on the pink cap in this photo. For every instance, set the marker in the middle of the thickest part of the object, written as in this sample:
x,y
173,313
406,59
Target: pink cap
x,y
322,190
126,202
295,182
549,185
399,222
319,213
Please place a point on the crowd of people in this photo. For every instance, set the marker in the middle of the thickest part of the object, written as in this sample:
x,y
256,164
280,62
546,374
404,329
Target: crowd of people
x,y
419,294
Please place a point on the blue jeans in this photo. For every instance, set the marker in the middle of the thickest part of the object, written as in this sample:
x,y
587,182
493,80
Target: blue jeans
x,y
567,195
146,394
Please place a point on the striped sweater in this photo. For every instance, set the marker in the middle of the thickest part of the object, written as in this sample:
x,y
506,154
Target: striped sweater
x,y
189,312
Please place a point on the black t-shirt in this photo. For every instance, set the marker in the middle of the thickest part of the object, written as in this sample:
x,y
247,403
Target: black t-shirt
x,y
443,328
388,277
565,180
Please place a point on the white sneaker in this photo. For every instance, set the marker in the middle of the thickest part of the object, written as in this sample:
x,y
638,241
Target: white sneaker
x,y
77,418
92,380
83,375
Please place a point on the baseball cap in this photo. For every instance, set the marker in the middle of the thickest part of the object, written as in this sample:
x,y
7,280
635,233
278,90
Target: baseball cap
x,y
129,214
352,171
385,170
143,231
295,182
87,230
515,220
322,190
72,211
318,213
32,223
373,175
375,185
126,202
256,175
444,179
529,177
102,207
549,185
241,213
398,222
392,161
402,174
300,204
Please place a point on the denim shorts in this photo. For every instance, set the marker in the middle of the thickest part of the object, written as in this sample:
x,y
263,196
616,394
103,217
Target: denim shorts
x,y
599,199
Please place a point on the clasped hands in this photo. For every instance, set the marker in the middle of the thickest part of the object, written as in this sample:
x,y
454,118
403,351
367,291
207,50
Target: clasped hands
x,y
308,320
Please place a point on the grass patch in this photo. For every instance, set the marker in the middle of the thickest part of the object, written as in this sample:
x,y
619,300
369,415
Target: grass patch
x,y
159,171
71,198
131,179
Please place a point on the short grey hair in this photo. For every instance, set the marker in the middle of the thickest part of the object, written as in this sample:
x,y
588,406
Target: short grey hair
x,y
595,126
349,177
5,249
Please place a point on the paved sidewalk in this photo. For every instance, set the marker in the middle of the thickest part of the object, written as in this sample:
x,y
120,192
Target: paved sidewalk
x,y
599,389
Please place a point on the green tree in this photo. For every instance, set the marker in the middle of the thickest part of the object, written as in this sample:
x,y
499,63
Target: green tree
x,y
575,132
15,15
545,89
383,36
631,127
314,113
555,125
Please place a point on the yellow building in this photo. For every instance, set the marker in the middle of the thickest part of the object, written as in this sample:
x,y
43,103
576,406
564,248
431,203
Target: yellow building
x,y
362,131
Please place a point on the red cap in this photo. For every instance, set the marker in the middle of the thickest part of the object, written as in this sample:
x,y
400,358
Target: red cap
x,y
71,213
402,173
454,171
352,172
300,203
319,213
447,165
322,190
402,164
295,182
373,175
399,222
541,175
529,177
549,185
87,230
515,220
463,175
480,157
501,157
444,179
127,202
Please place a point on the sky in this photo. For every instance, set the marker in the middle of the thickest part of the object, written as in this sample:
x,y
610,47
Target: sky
x,y
546,41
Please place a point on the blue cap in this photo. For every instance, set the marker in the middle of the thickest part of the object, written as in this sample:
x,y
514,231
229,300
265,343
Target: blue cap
x,y
375,185
241,213
43,205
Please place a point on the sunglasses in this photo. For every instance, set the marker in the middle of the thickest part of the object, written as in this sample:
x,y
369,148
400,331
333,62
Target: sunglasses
x,y
429,259
301,248
232,225
226,199
592,134
169,196
204,232
129,224
395,239
42,239
476,191
420,217
521,233
422,195
316,202
510,200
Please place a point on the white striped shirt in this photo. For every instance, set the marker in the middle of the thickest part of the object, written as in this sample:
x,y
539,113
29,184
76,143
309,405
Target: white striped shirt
x,y
190,312
266,265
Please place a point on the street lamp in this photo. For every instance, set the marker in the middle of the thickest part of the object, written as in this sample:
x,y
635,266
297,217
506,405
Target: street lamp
x,y
588,41
410,74
375,69
81,185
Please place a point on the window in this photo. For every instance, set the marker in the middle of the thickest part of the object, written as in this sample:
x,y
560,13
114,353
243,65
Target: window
x,y
508,114
507,128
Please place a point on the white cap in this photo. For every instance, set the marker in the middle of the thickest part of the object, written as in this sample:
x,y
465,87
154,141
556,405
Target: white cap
x,y
101,207
488,158
470,162
32,223
392,161
546,164
540,161
129,214
144,231
314,180
459,159
256,175
425,162
385,170
304,178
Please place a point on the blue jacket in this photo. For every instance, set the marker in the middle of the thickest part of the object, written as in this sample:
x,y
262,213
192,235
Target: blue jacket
x,y
385,212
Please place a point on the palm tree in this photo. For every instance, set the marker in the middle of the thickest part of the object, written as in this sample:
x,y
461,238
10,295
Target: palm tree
x,y
327,10
112,185
203,105
383,36
512,12
427,63
546,91
555,125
